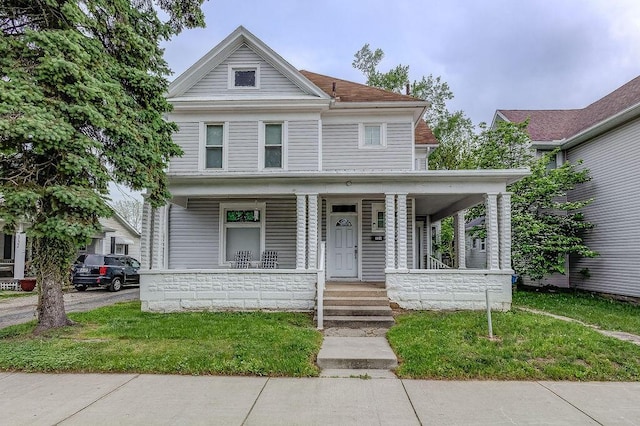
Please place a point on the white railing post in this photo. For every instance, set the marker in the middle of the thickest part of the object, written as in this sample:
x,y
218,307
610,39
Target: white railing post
x,y
320,288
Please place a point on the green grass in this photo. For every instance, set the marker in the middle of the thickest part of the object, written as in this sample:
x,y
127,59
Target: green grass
x,y
121,338
6,294
586,307
432,345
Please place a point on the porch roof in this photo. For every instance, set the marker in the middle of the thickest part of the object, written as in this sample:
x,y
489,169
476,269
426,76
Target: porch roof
x,y
437,193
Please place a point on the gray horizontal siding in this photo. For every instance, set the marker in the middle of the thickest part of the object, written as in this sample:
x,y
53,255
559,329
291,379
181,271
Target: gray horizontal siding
x,y
272,82
188,138
243,146
303,145
194,235
281,231
613,160
373,252
340,149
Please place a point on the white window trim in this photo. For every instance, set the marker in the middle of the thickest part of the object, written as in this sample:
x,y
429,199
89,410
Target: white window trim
x,y
248,66
383,136
202,160
375,208
262,145
261,207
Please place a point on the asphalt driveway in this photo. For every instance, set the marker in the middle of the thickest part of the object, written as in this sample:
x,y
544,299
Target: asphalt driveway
x,y
19,310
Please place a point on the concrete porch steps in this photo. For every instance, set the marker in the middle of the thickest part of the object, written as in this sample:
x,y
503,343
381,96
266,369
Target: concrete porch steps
x,y
357,305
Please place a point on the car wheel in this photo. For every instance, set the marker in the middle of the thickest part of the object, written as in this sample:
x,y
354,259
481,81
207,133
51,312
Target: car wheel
x,y
81,287
116,284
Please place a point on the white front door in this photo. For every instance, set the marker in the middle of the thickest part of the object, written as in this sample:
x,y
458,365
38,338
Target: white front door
x,y
343,252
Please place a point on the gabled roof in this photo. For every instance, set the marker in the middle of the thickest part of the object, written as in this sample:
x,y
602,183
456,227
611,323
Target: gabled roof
x,y
213,58
560,125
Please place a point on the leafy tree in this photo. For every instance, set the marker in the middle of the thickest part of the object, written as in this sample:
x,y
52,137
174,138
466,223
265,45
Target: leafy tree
x,y
82,88
545,227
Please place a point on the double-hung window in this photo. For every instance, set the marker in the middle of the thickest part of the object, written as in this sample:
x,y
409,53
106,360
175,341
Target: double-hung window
x,y
372,135
242,229
214,146
273,145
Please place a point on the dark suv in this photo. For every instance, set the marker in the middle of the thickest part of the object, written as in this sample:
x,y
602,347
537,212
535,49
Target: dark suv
x,y
105,270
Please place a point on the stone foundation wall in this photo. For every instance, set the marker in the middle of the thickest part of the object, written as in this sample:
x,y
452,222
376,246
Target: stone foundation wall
x,y
424,289
209,290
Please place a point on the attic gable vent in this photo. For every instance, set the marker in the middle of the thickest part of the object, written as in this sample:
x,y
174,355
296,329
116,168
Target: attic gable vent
x,y
244,76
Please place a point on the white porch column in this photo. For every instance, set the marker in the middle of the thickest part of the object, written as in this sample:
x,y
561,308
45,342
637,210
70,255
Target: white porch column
x,y
19,254
402,231
390,230
460,240
159,238
313,231
301,231
504,206
146,240
491,223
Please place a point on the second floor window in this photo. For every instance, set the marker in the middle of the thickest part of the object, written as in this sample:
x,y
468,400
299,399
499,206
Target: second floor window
x,y
372,135
214,146
273,145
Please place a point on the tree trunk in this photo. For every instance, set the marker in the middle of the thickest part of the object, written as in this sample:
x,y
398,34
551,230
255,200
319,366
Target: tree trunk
x,y
51,257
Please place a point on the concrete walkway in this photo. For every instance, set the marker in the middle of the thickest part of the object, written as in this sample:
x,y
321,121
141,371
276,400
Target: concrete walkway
x,y
131,399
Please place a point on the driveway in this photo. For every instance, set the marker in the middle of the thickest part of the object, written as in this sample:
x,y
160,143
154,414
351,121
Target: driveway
x,y
23,309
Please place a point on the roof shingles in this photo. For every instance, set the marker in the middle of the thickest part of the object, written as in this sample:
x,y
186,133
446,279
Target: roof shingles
x,y
554,125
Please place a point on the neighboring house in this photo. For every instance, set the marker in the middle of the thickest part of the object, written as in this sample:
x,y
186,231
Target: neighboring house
x,y
606,136
327,175
117,236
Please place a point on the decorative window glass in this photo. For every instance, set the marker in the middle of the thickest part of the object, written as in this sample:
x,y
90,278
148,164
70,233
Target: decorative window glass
x,y
243,216
344,222
377,217
273,145
242,229
244,76
214,146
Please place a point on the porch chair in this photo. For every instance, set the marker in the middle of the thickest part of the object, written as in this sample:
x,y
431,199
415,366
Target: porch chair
x,y
269,259
242,259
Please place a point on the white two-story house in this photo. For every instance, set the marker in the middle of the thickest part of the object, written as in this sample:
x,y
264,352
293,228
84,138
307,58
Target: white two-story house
x,y
290,178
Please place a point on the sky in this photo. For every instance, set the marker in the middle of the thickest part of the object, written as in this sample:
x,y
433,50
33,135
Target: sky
x,y
494,54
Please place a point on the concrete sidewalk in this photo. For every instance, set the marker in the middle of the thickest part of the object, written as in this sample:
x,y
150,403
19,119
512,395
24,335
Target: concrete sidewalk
x,y
132,399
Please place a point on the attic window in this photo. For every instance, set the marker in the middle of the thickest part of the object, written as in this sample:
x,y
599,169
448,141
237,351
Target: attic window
x,y
244,76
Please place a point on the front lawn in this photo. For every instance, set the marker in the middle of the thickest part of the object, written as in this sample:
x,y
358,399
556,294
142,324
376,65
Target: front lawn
x,y
439,345
589,308
122,339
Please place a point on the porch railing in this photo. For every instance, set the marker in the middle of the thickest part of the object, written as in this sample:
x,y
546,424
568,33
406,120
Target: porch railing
x,y
320,288
433,263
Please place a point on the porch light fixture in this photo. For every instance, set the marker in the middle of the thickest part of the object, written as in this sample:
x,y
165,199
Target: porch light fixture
x,y
348,183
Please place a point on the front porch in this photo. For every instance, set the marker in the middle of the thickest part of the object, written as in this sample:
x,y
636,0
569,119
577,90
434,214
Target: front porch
x,y
369,236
